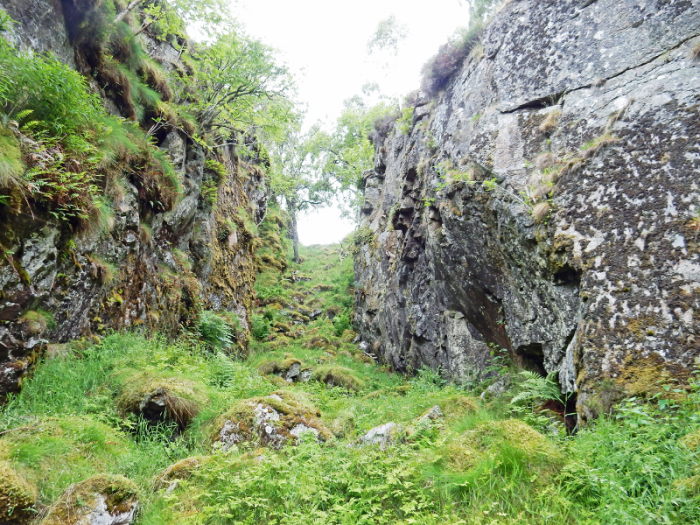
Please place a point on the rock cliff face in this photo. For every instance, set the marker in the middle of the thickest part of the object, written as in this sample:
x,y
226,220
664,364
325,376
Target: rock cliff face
x,y
145,268
580,253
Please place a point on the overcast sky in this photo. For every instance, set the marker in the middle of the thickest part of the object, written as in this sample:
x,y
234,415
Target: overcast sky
x,y
325,44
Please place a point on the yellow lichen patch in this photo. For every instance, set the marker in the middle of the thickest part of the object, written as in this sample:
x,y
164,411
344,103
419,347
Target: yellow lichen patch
x,y
643,376
78,504
692,440
17,497
333,375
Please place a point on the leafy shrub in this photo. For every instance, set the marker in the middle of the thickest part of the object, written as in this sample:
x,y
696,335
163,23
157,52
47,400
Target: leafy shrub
x,y
450,56
59,97
215,330
341,323
261,327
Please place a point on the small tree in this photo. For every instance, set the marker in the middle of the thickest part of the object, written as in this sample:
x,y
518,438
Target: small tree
x,y
348,151
239,85
295,176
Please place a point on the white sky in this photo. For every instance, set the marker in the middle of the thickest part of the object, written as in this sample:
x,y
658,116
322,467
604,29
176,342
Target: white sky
x,y
325,44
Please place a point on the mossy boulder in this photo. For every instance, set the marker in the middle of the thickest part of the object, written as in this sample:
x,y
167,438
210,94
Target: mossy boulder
x,y
17,497
161,398
501,442
333,375
103,499
288,369
271,421
182,469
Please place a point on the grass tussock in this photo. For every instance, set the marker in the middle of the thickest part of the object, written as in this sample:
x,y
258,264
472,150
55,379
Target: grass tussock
x,y
157,396
549,124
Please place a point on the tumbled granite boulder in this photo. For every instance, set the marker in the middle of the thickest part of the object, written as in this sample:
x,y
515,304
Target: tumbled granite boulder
x,y
272,421
100,500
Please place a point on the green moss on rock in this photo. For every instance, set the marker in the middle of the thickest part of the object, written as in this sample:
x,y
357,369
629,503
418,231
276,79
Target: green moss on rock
x,y
17,497
333,375
153,395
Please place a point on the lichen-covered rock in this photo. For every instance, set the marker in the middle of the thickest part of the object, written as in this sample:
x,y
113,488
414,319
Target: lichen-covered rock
x,y
431,415
17,497
100,500
272,421
384,435
597,116
288,369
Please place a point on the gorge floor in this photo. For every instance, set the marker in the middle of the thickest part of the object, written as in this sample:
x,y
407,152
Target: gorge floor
x,y
308,428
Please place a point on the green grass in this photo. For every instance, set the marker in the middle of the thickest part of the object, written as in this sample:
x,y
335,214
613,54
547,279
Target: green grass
x,y
485,462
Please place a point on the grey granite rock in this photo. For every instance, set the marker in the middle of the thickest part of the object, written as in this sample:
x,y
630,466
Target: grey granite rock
x,y
598,116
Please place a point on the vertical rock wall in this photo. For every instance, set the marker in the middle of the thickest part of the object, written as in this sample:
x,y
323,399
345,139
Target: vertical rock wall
x,y
592,107
147,269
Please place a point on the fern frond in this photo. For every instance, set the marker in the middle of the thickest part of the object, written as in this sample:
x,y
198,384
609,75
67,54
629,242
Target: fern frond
x,y
538,388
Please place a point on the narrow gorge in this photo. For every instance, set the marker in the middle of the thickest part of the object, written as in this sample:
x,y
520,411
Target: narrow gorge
x,y
509,335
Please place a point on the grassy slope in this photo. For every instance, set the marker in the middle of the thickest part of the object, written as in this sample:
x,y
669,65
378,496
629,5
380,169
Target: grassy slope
x,y
478,465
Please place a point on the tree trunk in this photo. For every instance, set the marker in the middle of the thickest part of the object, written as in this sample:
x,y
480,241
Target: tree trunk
x,y
294,231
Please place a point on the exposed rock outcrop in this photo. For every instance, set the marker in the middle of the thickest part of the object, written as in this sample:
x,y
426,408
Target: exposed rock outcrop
x,y
152,265
546,204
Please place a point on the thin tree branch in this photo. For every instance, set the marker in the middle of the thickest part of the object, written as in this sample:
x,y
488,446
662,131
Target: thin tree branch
x,y
121,16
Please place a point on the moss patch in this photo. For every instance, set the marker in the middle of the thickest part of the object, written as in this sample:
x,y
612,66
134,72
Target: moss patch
x,y
157,396
17,496
182,469
333,375
11,165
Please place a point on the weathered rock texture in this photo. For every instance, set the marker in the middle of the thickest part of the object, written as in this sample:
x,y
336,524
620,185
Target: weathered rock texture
x,y
596,102
152,269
